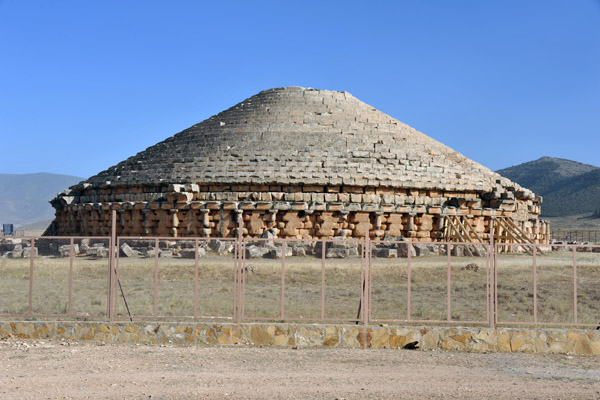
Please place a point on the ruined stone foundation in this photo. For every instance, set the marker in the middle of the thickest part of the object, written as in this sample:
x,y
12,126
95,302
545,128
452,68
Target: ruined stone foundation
x,y
301,212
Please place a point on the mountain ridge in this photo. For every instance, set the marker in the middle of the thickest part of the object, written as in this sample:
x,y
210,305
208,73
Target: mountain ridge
x,y
568,187
24,197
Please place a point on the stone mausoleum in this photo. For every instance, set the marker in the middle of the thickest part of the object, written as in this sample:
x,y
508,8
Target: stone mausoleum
x,y
301,163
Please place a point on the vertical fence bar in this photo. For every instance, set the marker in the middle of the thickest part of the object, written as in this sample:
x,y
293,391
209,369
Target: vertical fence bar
x,y
236,253
70,299
237,273
575,319
408,281
114,279
112,271
487,285
448,284
367,285
493,277
236,281
363,256
534,285
196,280
322,279
495,286
31,255
282,310
155,305
243,282
109,289
363,289
370,282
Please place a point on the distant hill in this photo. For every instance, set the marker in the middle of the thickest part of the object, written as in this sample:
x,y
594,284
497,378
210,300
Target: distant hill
x,y
568,187
24,197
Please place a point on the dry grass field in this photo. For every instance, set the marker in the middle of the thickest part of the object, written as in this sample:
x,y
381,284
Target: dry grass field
x,y
303,287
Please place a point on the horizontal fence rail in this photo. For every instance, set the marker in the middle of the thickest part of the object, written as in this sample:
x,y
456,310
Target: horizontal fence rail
x,y
354,281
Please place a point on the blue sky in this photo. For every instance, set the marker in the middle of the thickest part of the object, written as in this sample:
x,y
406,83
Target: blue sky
x,y
86,84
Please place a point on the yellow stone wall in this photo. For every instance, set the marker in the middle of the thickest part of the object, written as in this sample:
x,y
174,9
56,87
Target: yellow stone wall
x,y
575,341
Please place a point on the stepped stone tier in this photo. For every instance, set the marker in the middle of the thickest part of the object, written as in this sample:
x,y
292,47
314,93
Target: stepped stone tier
x,y
299,163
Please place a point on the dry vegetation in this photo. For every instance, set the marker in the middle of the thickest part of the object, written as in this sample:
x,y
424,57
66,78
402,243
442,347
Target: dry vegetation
x,y
303,287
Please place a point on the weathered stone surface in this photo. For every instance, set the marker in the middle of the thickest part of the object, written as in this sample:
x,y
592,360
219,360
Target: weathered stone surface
x,y
403,250
278,252
27,252
15,254
127,251
309,163
261,335
191,253
337,253
385,253
150,253
221,247
578,342
101,252
583,346
65,250
257,251
431,340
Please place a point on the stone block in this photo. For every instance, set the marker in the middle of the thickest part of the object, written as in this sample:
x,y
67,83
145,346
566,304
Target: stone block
x,y
256,251
15,254
583,346
337,253
221,247
385,253
261,335
430,340
191,253
27,252
278,252
65,250
127,251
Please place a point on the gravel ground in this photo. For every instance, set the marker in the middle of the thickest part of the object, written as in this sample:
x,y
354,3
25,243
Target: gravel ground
x,y
66,370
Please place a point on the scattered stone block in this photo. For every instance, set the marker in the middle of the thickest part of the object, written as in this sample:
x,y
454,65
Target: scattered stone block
x,y
191,253
65,250
256,251
15,254
221,247
337,252
127,251
277,252
27,252
151,252
385,253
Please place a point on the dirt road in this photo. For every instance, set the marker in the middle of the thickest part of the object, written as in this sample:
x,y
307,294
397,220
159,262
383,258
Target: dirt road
x,y
59,370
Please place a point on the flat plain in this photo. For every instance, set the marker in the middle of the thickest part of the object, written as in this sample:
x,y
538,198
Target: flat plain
x,y
309,283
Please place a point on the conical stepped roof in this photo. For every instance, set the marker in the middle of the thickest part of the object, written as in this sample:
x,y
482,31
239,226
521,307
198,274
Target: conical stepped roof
x,y
295,136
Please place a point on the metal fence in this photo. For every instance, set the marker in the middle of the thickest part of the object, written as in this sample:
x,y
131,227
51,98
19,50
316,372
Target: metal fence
x,y
345,281
576,235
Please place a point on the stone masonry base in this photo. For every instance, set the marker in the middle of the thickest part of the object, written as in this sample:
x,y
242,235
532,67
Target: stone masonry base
x,y
573,341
